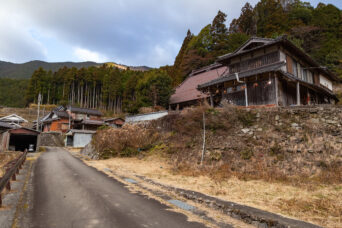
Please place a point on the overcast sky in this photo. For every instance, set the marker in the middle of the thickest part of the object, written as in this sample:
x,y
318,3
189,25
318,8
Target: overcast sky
x,y
131,32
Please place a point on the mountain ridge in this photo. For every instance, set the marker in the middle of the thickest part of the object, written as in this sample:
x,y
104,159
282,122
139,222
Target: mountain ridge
x,y
25,70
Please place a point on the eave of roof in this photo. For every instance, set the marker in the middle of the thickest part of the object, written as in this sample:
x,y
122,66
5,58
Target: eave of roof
x,y
73,131
112,119
271,68
231,77
92,122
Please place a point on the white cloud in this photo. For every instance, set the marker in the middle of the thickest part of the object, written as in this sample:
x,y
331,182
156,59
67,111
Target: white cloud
x,y
17,42
132,32
86,55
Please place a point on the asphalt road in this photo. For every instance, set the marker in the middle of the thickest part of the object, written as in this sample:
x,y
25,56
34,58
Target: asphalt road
x,y
64,192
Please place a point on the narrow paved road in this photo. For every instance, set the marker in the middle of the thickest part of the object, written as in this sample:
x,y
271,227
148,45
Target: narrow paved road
x,y
64,192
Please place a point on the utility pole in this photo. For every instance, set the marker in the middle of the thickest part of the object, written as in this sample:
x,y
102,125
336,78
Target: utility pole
x,y
39,100
203,149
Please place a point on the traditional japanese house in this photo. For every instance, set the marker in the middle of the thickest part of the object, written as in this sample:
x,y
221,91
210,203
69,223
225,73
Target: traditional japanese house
x,y
57,120
85,124
13,119
186,94
115,122
84,113
85,118
271,72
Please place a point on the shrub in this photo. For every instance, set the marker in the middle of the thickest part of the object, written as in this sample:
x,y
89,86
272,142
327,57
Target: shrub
x,y
246,154
275,150
246,118
127,141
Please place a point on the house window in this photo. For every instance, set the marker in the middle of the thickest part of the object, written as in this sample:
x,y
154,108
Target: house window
x,y
294,68
236,88
305,76
310,76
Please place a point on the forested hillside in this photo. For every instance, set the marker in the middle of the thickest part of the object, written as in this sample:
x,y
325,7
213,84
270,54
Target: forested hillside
x,y
104,87
318,31
12,92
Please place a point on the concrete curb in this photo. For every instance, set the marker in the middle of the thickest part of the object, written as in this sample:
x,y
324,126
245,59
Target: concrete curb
x,y
249,215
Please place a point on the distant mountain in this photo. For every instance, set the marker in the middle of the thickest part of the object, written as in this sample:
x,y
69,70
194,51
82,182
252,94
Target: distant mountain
x,y
25,70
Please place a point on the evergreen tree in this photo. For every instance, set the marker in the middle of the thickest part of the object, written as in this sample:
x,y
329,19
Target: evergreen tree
x,y
177,74
247,20
218,32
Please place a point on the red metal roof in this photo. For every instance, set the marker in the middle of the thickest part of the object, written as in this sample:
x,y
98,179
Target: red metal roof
x,y
187,91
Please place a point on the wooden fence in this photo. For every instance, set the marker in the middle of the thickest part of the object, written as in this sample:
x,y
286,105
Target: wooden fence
x,y
12,169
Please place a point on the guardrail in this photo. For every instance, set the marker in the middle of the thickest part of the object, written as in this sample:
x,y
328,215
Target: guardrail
x,y
12,168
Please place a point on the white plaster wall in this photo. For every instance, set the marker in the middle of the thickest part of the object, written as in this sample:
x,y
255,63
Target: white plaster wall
x,y
283,59
81,140
325,82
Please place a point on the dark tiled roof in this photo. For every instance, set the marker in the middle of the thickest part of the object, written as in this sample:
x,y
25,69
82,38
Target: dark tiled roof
x,y
187,91
60,108
61,114
239,51
49,120
89,111
231,77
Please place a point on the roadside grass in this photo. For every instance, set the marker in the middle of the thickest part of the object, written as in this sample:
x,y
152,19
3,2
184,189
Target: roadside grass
x,y
6,157
319,204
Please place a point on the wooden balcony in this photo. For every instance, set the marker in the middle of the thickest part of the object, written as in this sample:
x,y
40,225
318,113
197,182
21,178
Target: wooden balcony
x,y
254,63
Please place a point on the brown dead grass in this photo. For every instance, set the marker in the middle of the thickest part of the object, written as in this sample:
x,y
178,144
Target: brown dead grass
x,y
320,204
5,158
127,141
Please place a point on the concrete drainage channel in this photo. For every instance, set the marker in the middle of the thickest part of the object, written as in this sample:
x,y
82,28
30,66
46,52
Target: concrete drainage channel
x,y
248,215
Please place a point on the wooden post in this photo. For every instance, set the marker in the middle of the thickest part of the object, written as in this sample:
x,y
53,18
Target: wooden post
x,y
39,100
276,90
203,149
246,94
211,100
298,93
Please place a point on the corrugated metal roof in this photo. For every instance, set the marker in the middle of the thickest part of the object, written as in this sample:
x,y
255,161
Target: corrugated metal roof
x,y
187,91
6,125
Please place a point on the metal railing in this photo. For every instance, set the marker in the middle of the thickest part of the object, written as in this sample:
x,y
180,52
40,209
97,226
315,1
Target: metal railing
x,y
12,169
